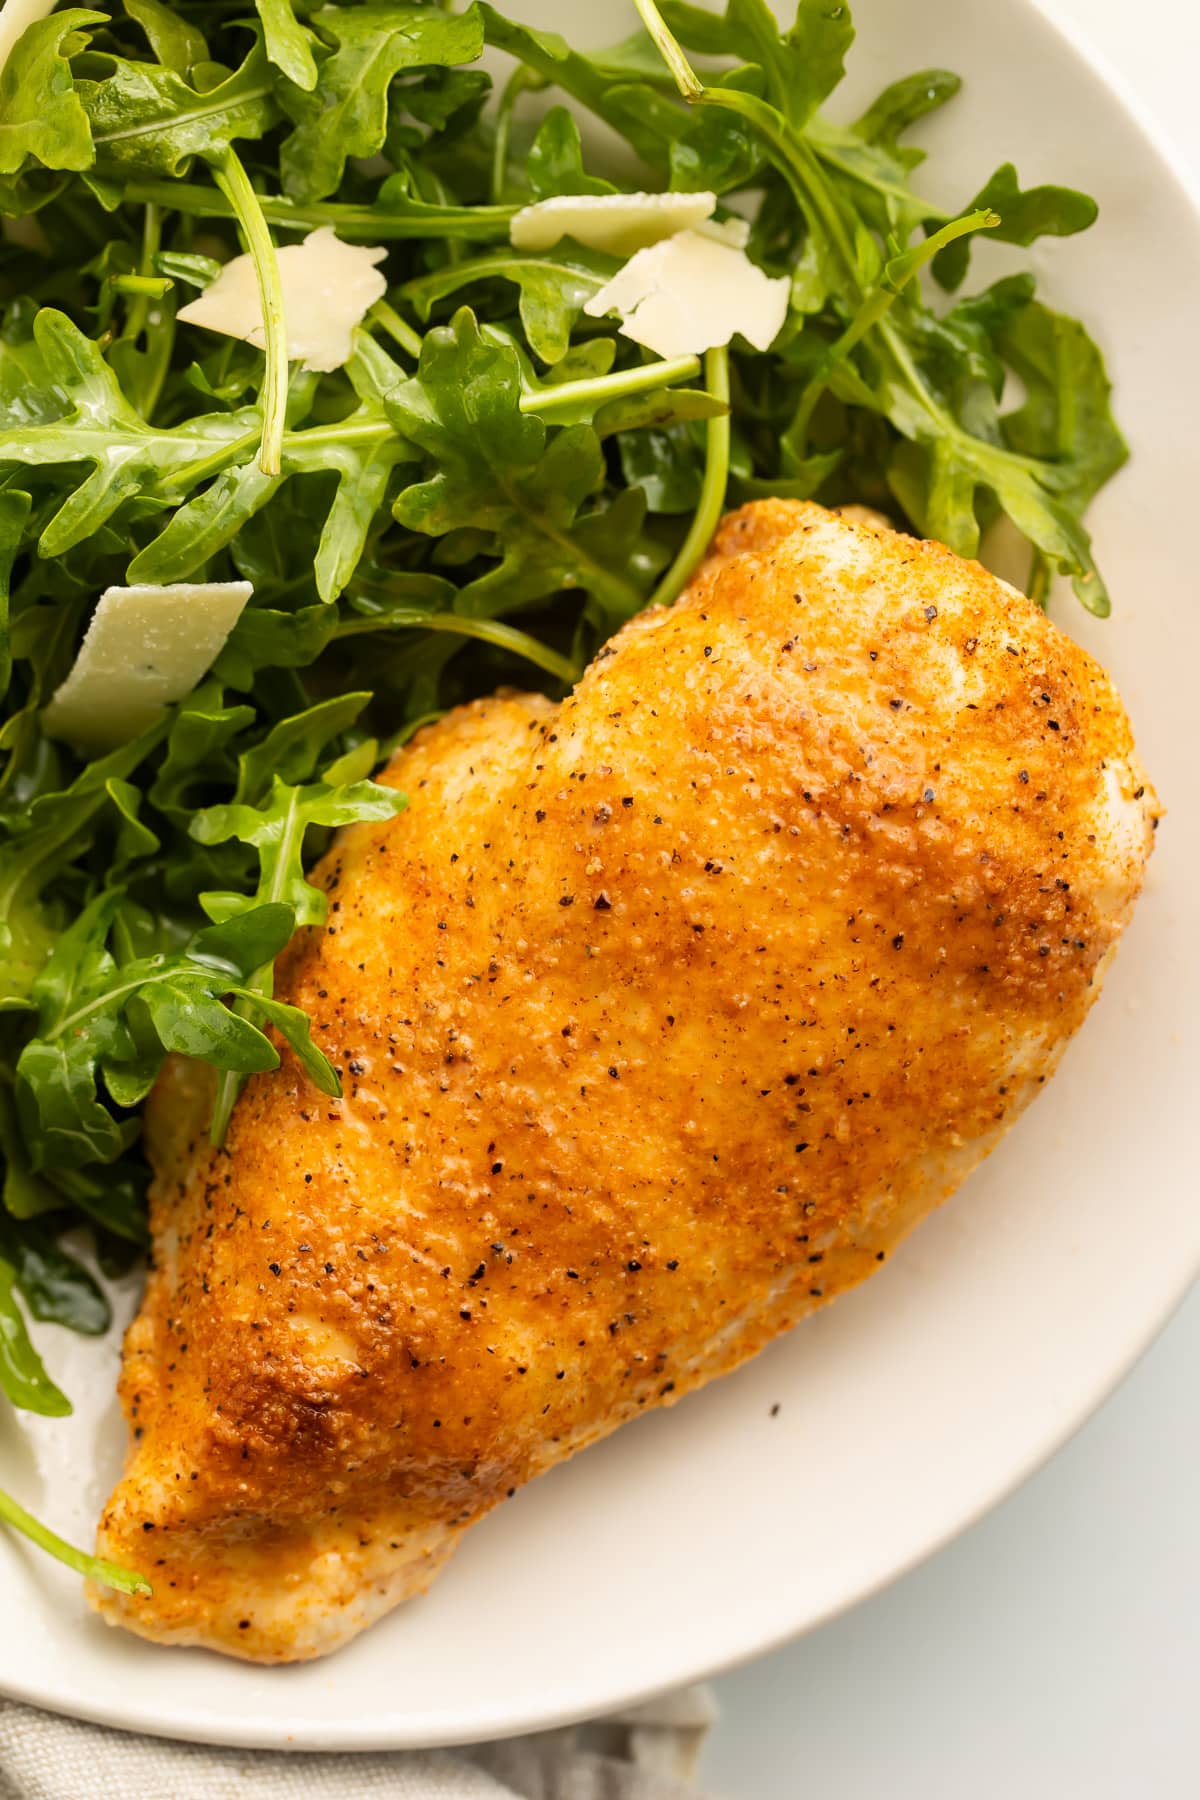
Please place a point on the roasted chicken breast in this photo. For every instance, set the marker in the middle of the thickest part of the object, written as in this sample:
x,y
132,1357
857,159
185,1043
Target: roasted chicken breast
x,y
663,1014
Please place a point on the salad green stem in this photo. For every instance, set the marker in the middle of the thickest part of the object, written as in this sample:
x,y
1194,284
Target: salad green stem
x,y
262,981
896,276
487,631
522,80
144,286
140,287
93,1568
712,492
601,388
671,51
234,183
374,223
398,329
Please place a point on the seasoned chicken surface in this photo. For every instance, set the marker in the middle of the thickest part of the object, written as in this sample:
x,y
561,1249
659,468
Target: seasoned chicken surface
x,y
662,1015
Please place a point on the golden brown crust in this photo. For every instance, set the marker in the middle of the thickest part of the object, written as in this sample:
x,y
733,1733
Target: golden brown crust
x,y
661,1016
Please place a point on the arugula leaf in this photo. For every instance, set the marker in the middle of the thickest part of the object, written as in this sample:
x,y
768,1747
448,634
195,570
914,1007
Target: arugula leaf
x,y
806,63
175,42
82,996
291,750
555,161
500,470
23,1376
289,45
632,108
98,425
276,830
23,1195
47,834
147,120
41,117
361,449
56,1288
345,113
901,105
1026,214
1067,414
554,286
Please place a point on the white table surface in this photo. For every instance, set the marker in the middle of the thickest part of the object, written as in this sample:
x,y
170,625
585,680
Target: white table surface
x,y
1053,1652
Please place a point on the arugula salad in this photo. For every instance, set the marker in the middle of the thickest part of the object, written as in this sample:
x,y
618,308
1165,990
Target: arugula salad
x,y
324,340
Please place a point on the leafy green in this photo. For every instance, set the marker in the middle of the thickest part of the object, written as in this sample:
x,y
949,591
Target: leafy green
x,y
276,830
41,116
83,995
176,43
500,470
345,113
1025,215
149,120
288,43
802,65
555,161
14,510
554,286
23,1376
55,1286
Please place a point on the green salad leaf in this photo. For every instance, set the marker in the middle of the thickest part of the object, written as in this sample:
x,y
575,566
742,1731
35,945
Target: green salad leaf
x,y
42,116
345,111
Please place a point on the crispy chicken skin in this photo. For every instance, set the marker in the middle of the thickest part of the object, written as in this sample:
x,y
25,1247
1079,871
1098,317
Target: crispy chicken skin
x,y
662,1015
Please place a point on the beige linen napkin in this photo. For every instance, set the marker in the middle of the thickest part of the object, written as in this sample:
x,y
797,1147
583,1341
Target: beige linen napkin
x,y
646,1754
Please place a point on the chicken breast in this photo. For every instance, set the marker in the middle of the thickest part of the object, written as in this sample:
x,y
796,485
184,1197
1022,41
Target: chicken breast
x,y
663,1015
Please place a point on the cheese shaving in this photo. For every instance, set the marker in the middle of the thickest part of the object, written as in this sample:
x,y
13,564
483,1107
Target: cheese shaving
x,y
692,293
618,224
145,648
327,286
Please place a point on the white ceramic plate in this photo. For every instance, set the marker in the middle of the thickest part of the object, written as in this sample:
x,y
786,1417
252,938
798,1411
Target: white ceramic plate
x,y
705,1535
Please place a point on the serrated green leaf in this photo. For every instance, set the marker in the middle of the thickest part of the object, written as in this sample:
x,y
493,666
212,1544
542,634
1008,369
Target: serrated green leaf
x,y
555,161
498,469
98,425
1066,418
554,288
14,511
292,748
345,114
277,829
1026,214
289,44
83,997
634,109
41,116
295,1027
903,103
174,40
149,121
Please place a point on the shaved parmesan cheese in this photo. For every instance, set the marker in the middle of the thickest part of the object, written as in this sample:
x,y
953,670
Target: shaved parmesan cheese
x,y
616,223
692,293
327,288
735,231
145,648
